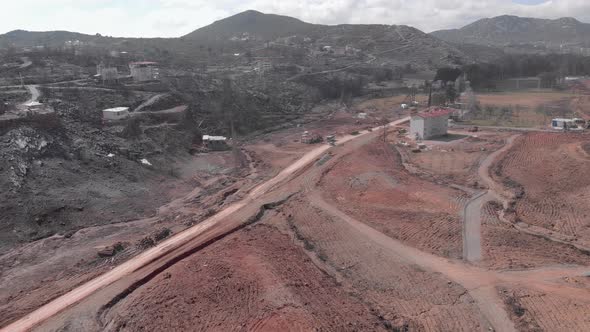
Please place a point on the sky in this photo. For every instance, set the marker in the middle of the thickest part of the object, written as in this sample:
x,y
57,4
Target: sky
x,y
174,18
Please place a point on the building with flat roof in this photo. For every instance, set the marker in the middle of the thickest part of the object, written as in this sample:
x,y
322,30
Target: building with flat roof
x,y
115,114
144,71
431,123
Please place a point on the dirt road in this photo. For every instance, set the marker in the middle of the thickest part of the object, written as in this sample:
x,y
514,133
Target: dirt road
x,y
35,93
174,247
26,62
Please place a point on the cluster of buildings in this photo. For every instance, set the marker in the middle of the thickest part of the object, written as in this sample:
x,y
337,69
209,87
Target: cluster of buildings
x,y
142,71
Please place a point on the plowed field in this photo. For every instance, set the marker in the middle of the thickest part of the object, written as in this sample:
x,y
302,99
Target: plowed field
x,y
255,280
372,185
551,171
407,297
539,311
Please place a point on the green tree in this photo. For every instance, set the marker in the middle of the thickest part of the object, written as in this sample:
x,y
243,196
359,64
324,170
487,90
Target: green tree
x,y
451,93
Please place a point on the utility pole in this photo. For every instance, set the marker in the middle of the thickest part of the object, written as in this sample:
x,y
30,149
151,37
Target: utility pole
x,y
429,94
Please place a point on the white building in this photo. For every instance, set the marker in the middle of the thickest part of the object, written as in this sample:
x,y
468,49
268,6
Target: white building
x,y
144,71
568,124
431,123
215,142
115,114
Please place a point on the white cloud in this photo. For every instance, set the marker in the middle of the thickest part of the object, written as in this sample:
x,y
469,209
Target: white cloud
x,y
169,18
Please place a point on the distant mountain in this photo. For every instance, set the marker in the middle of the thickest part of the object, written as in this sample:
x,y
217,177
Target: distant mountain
x,y
392,42
382,45
23,38
253,23
509,30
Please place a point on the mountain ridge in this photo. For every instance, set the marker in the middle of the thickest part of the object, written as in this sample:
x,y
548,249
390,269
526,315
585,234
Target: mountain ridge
x,y
506,30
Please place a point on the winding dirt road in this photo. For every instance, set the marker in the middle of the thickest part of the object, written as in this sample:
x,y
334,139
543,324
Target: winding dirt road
x,y
479,282
177,246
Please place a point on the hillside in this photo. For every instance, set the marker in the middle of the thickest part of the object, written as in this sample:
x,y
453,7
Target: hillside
x,y
250,31
23,38
257,25
395,44
507,30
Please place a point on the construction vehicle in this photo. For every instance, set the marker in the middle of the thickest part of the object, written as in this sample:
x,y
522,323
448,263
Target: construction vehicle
x,y
308,138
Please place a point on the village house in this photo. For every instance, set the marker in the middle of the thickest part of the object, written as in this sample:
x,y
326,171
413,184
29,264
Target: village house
x,y
431,123
144,71
115,114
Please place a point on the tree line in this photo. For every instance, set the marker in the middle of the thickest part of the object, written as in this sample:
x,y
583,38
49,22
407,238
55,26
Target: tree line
x,y
549,68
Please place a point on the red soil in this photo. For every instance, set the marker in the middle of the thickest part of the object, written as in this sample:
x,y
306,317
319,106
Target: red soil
x,y
538,311
504,247
372,185
255,280
553,171
407,297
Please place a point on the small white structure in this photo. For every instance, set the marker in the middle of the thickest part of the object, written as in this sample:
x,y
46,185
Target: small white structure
x,y
431,123
144,71
115,114
215,142
567,124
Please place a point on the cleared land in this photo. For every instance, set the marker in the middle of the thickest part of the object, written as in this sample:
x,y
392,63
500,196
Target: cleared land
x,y
548,174
372,185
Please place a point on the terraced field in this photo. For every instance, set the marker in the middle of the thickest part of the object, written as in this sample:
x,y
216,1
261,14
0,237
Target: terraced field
x,y
403,294
372,185
538,311
551,173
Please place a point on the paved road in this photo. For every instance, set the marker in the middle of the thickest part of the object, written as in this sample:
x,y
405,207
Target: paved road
x,y
172,248
472,226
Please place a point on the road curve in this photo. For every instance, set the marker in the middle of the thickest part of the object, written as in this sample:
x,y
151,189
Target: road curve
x,y
78,294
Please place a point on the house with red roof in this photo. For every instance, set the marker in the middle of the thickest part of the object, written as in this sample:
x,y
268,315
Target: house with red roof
x,y
434,122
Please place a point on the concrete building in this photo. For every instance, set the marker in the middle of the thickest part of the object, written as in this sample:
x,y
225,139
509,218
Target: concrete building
x,y
107,74
144,71
430,124
115,114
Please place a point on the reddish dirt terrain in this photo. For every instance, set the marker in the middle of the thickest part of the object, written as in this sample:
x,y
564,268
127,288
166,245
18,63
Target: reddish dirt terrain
x,y
255,280
549,174
504,247
372,185
456,161
533,310
406,296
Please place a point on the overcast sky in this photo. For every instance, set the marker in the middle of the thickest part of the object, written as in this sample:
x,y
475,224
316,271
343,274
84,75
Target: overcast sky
x,y
174,18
